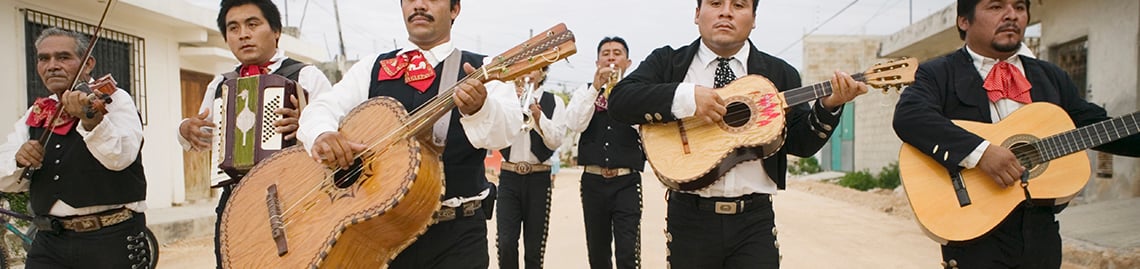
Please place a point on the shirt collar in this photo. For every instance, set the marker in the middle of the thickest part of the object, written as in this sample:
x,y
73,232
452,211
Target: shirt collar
x,y
983,64
707,57
278,57
435,54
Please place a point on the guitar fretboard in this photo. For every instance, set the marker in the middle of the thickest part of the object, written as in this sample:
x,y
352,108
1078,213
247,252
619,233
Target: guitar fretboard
x,y
1086,137
815,91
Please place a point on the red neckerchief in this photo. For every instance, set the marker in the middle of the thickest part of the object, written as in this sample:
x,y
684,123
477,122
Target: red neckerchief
x,y
253,70
410,65
42,111
1005,81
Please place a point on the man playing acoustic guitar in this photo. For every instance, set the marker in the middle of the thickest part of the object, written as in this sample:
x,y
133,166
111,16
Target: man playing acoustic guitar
x,y
986,81
672,84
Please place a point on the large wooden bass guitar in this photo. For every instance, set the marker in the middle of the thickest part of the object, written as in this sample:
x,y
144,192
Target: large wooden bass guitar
x,y
969,204
293,212
690,154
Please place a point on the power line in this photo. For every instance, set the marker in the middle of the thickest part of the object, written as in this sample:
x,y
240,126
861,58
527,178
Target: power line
x,y
817,27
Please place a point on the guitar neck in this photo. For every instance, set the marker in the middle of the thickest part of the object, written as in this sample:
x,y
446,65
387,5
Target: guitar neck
x,y
1087,137
815,91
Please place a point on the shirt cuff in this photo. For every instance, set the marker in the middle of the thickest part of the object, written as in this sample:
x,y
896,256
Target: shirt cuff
x,y
972,160
684,101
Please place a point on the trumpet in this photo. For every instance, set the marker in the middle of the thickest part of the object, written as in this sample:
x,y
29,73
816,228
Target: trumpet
x,y
615,75
528,97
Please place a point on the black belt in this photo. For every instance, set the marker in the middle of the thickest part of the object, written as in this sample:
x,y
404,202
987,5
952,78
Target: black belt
x,y
723,205
84,223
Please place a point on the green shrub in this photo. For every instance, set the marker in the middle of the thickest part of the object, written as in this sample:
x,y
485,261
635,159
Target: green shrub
x,y
803,166
889,176
859,180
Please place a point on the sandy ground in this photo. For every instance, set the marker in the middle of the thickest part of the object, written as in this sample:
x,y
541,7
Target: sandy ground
x,y
821,226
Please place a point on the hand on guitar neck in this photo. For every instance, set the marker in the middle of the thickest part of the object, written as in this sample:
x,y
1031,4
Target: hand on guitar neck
x,y
334,150
471,94
1001,165
845,90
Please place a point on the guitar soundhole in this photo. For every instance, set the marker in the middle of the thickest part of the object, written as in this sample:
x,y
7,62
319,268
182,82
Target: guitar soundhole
x,y
1029,157
344,178
737,114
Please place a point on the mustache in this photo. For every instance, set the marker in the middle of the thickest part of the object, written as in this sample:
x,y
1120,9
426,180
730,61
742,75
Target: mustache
x,y
1008,26
427,16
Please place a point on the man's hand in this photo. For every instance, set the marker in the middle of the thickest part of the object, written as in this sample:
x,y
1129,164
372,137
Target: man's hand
x,y
334,150
31,154
844,90
191,129
710,107
471,94
602,77
1001,165
287,124
76,103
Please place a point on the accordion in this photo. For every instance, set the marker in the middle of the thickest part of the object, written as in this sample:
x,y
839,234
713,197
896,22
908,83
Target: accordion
x,y
243,112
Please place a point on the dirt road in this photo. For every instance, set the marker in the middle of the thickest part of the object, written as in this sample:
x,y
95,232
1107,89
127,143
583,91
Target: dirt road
x,y
815,231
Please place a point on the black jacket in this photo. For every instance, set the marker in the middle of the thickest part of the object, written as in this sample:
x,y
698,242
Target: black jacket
x,y
648,91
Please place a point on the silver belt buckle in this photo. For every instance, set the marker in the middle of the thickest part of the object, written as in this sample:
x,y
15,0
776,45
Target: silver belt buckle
x,y
609,173
726,208
522,168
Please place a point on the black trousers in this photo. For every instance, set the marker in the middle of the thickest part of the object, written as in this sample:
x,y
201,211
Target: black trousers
x,y
611,209
223,199
699,238
123,245
459,243
1029,237
523,200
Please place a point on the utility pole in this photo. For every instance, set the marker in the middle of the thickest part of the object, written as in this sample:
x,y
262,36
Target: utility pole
x,y
911,11
286,12
339,33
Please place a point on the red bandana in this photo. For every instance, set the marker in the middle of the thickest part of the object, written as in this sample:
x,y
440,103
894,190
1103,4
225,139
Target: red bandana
x,y
253,70
43,110
1005,81
419,73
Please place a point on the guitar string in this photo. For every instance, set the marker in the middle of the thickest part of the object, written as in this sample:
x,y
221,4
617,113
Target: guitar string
x,y
1040,152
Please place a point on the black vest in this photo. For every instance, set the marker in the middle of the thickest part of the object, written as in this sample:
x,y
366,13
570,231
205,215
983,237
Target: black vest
x,y
611,144
537,146
462,163
71,174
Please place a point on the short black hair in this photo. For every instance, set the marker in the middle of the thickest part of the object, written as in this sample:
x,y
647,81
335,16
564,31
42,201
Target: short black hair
x,y
617,39
966,9
268,9
755,3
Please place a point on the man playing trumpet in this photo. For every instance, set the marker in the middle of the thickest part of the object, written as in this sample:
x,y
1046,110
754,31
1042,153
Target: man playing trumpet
x,y
525,182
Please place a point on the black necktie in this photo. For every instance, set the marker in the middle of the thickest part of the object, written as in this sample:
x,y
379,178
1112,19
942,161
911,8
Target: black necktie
x,y
724,74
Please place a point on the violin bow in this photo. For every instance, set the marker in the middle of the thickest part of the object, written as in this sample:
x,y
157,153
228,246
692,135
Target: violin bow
x,y
28,171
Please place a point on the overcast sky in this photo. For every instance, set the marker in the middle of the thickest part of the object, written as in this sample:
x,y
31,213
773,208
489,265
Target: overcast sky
x,y
492,26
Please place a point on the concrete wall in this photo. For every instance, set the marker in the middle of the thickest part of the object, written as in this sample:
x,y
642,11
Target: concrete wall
x,y
876,144
1112,29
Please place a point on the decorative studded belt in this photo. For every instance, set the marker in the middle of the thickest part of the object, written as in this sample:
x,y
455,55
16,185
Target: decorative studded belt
x,y
523,168
85,223
608,172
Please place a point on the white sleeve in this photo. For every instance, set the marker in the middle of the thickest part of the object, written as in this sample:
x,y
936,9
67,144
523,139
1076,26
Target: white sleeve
x,y
116,141
581,109
684,101
326,109
9,172
206,105
313,81
553,129
972,160
494,125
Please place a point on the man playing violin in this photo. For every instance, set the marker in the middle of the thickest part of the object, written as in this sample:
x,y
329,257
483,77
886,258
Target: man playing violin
x,y
672,84
88,189
486,117
251,29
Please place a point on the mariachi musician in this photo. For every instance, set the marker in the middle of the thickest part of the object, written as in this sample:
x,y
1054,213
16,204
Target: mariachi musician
x,y
252,29
88,189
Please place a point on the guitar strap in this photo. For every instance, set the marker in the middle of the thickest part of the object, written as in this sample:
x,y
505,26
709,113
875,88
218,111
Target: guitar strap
x,y
1025,188
448,79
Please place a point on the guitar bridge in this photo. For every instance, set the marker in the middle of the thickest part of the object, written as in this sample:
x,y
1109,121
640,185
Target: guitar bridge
x,y
276,225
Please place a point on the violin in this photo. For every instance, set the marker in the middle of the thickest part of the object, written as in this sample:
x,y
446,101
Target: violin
x,y
98,94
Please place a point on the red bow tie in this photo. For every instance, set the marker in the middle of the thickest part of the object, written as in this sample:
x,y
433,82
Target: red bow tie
x,y
253,70
1005,81
419,74
43,110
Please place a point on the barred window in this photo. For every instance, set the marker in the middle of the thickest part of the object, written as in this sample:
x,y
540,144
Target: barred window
x,y
117,53
1072,57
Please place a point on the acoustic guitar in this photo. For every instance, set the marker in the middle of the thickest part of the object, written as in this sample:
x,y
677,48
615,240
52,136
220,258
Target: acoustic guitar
x,y
969,204
690,154
293,212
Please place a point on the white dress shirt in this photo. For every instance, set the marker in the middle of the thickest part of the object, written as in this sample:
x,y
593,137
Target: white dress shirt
x,y
553,129
747,177
115,143
998,110
492,127
310,78
580,110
